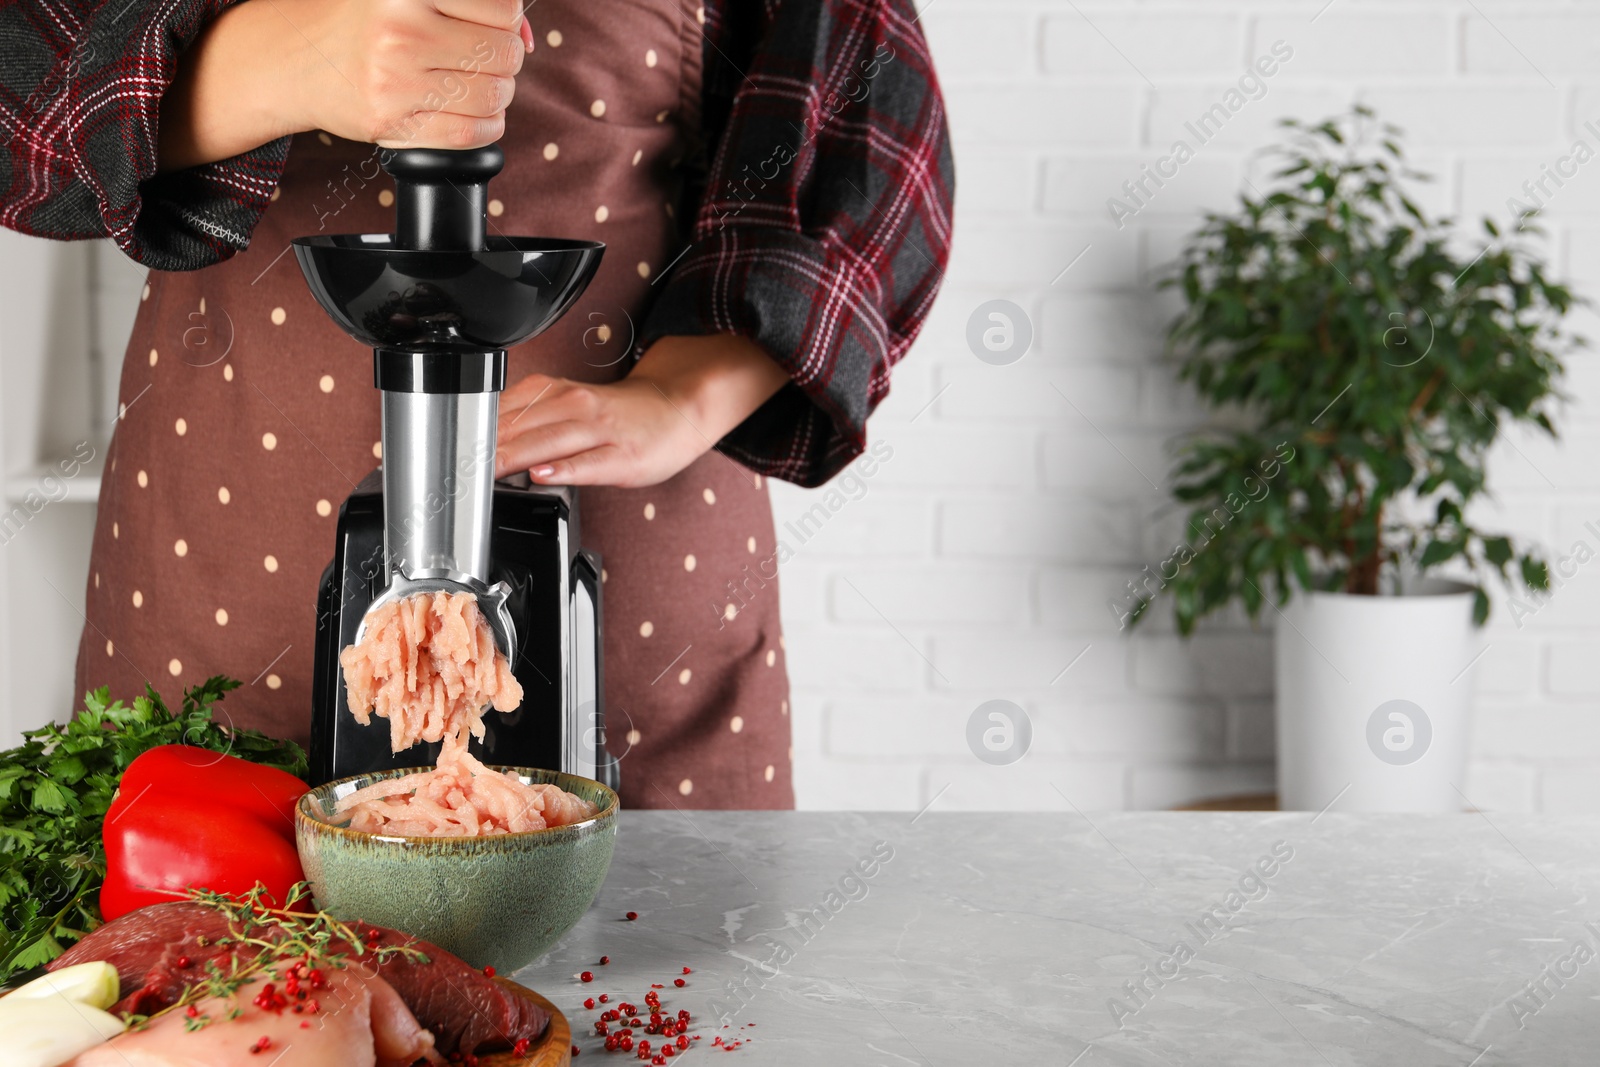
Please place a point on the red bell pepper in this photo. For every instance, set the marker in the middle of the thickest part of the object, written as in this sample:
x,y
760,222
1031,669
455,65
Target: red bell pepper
x,y
188,817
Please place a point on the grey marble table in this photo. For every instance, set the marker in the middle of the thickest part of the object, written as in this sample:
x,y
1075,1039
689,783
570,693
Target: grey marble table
x,y
1137,938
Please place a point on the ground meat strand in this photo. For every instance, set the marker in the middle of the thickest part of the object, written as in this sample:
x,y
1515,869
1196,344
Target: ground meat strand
x,y
429,665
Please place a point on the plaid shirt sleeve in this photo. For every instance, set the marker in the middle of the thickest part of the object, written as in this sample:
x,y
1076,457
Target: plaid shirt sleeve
x,y
80,85
823,215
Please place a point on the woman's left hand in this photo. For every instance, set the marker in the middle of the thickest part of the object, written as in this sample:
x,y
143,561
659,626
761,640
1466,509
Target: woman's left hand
x,y
680,399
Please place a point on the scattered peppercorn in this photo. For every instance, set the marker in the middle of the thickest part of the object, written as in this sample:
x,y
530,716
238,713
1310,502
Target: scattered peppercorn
x,y
672,1029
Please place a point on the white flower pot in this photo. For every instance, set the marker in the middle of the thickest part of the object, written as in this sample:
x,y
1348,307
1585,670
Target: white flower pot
x,y
1374,699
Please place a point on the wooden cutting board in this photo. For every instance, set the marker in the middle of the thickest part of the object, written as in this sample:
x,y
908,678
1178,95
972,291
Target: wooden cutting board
x,y
554,1049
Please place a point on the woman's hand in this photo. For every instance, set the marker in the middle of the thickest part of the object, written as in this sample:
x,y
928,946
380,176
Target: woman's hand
x,y
681,398
410,73
401,73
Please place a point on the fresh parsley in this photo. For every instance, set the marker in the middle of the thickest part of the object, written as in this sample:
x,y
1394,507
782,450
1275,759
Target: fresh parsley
x,y
55,789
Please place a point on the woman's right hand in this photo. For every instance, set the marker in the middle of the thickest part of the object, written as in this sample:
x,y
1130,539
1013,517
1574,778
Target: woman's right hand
x,y
408,73
401,73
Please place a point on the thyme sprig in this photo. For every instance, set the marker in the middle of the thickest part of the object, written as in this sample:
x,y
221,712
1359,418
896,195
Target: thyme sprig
x,y
262,936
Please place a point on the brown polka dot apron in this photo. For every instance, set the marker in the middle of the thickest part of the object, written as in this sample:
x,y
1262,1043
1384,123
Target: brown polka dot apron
x,y
247,416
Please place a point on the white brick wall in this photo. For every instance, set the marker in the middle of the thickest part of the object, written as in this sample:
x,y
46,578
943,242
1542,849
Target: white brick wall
x,y
978,564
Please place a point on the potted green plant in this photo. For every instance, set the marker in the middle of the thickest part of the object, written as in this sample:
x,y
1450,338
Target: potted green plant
x,y
1365,358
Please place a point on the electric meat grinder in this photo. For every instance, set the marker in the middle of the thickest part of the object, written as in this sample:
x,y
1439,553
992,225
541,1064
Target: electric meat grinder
x,y
439,302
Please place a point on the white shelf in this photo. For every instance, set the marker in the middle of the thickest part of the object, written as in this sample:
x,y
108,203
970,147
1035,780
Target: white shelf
x,y
83,488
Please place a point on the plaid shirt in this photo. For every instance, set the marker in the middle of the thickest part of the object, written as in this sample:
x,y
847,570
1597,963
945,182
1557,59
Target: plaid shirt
x,y
823,187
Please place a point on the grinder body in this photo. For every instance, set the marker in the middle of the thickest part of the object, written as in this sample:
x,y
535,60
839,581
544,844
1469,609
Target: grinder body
x,y
439,302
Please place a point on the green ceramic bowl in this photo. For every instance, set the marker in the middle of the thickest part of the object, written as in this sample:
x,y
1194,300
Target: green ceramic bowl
x,y
496,901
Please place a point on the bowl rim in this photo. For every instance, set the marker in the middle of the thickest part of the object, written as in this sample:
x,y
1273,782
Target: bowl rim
x,y
302,813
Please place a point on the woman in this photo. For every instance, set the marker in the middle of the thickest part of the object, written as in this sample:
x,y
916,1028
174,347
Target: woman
x,y
772,180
